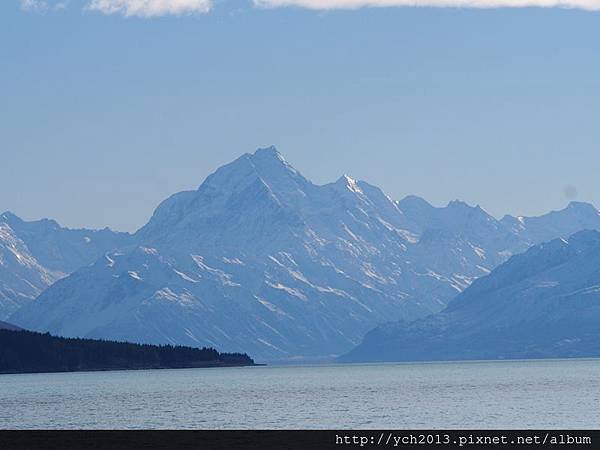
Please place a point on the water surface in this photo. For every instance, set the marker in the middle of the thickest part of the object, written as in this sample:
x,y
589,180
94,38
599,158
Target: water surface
x,y
523,394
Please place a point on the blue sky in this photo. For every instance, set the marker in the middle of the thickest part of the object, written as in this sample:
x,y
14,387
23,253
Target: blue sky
x,y
107,110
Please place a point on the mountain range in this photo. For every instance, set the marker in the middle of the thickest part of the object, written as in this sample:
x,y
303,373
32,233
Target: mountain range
x,y
540,304
261,260
34,255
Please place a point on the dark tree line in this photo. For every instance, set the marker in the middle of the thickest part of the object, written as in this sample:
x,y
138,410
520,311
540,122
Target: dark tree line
x,y
27,352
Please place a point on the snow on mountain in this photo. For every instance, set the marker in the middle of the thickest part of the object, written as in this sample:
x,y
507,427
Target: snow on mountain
x,y
22,278
64,249
257,258
544,303
459,241
261,260
575,217
34,255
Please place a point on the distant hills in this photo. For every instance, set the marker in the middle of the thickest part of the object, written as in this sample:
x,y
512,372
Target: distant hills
x,y
261,260
27,352
544,303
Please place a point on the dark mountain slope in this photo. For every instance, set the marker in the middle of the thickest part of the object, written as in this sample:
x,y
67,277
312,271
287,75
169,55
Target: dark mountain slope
x,y
8,326
544,303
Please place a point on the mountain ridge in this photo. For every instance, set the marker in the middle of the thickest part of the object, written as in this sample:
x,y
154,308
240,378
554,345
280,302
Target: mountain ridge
x,y
36,254
542,303
260,259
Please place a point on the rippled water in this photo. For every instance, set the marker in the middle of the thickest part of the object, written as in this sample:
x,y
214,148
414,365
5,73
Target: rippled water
x,y
535,394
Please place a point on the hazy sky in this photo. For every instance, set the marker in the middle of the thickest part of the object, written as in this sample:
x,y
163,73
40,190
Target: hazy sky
x,y
109,106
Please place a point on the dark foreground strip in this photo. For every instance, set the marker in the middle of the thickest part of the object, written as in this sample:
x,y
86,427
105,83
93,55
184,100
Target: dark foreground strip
x,y
338,440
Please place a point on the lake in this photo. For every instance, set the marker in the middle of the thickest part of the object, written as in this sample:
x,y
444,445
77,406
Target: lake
x,y
512,394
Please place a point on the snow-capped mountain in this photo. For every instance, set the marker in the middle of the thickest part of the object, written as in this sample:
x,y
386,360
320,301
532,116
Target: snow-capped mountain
x,y
34,255
259,259
577,216
540,304
22,277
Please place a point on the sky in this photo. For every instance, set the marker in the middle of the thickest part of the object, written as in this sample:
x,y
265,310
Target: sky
x,y
107,107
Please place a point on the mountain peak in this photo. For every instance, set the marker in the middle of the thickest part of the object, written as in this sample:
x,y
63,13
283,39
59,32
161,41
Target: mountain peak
x,y
346,181
265,163
459,204
582,207
268,152
15,220
269,161
7,215
411,202
264,174
267,157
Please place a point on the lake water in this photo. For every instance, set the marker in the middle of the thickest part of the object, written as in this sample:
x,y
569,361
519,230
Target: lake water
x,y
534,394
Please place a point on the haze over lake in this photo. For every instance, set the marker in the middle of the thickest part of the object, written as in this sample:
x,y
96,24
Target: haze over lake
x,y
511,394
